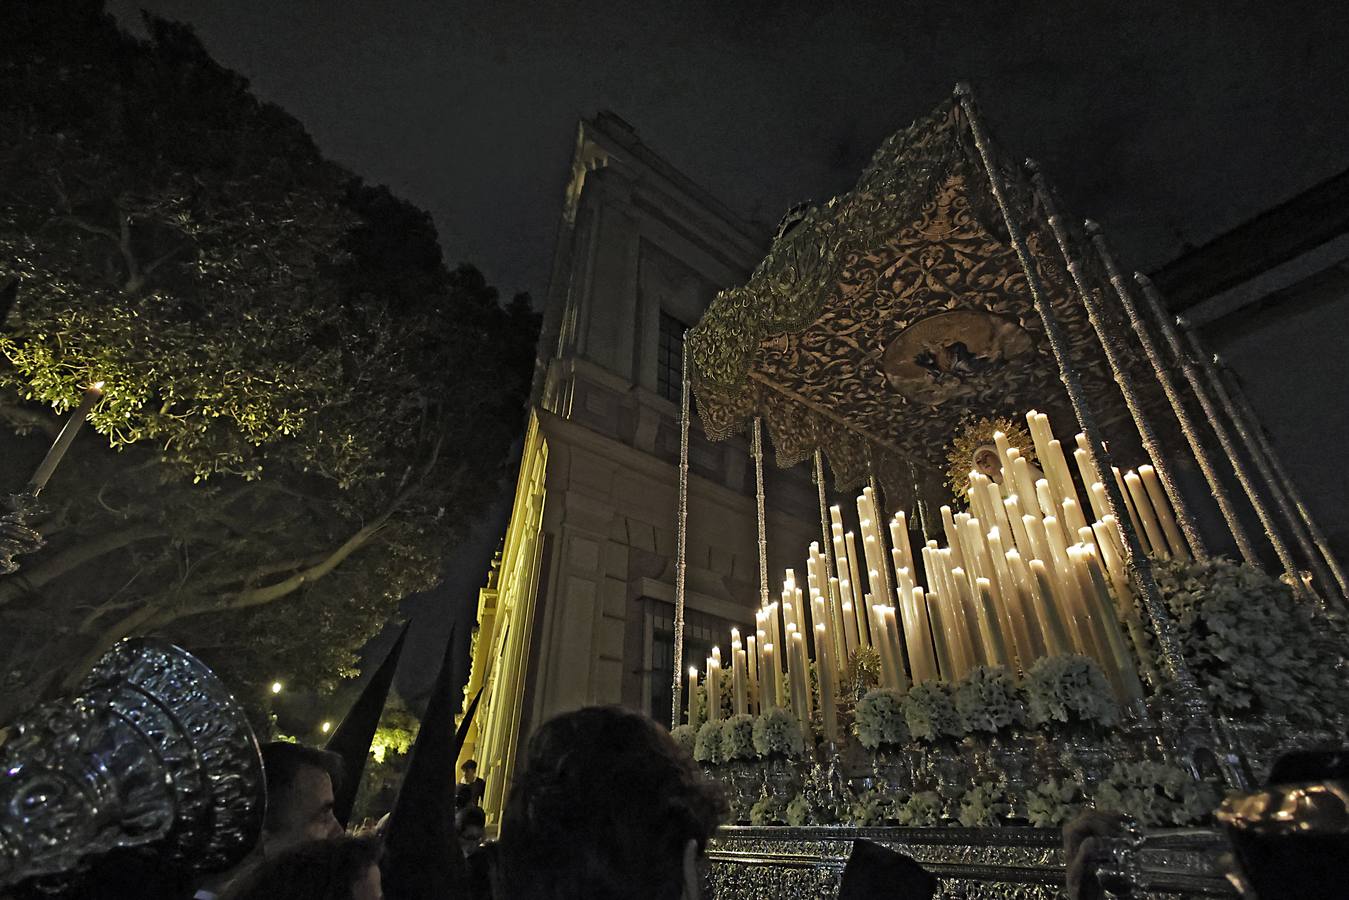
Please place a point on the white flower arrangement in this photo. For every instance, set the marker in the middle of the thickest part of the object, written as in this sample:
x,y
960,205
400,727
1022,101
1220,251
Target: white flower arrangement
x,y
1253,646
799,811
989,699
873,807
878,719
983,805
1155,793
769,809
685,736
777,732
707,746
1051,803
923,808
737,738
930,713
1070,689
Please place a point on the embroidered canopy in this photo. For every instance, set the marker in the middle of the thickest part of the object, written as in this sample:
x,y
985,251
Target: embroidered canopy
x,y
883,318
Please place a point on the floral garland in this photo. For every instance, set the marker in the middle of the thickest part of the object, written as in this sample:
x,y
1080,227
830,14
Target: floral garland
x,y
1070,689
777,732
685,737
737,738
989,699
1155,793
707,746
924,808
1255,648
930,713
983,805
1051,803
879,719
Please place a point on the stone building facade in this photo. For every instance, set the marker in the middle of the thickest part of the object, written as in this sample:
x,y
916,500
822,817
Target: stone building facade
x,y
579,609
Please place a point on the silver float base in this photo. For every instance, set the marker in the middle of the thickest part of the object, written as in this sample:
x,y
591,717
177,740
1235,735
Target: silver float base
x,y
765,863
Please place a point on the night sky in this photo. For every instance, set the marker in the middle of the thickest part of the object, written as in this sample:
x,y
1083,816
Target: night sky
x,y
1168,123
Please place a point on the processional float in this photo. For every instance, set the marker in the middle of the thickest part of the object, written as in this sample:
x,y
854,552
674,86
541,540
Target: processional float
x,y
919,335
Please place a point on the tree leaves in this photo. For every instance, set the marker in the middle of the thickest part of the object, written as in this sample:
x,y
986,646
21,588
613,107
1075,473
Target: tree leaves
x,y
289,365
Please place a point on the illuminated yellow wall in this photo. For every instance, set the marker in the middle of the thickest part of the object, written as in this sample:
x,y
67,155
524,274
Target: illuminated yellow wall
x,y
506,616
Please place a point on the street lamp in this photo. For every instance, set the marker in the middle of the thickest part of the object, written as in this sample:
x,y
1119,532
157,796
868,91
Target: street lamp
x,y
276,687
326,727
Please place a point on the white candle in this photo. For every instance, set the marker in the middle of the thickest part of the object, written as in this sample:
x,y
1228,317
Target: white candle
x,y
714,686
1162,508
824,666
739,682
1072,515
1089,619
990,631
66,437
952,536
1066,588
1009,602
997,509
849,628
1050,608
1062,479
1114,636
941,638
752,666
1039,542
882,644
858,589
1044,495
1090,479
1025,485
1003,446
969,619
1030,644
1019,534
1038,436
771,681
1133,513
888,619
899,532
801,681
917,640
693,697
1143,507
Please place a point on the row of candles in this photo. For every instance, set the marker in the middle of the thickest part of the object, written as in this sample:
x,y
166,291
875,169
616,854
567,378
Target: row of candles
x,y
1023,575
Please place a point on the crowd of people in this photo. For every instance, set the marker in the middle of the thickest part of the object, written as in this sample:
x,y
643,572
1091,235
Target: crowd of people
x,y
606,807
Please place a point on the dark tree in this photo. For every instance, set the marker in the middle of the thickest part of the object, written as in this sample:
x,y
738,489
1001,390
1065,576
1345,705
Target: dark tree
x,y
304,407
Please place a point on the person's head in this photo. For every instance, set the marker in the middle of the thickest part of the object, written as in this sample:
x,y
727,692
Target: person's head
x,y
344,868
607,806
470,769
470,824
987,462
300,784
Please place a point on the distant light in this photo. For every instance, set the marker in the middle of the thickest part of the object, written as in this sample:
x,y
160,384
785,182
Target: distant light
x,y
326,727
97,385
276,687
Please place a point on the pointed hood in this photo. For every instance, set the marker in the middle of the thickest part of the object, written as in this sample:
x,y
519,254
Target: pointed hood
x,y
351,740
421,854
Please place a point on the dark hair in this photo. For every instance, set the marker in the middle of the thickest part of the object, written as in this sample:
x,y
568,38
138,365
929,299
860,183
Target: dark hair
x,y
470,815
470,764
316,870
603,810
281,762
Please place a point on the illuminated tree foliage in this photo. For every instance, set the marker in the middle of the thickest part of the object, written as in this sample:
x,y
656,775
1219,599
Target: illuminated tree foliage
x,y
308,406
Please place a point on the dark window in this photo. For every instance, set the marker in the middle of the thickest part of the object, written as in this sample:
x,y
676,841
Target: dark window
x,y
670,356
701,633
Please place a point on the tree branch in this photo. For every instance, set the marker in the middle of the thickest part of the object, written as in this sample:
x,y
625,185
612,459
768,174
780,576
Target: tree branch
x,y
79,554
